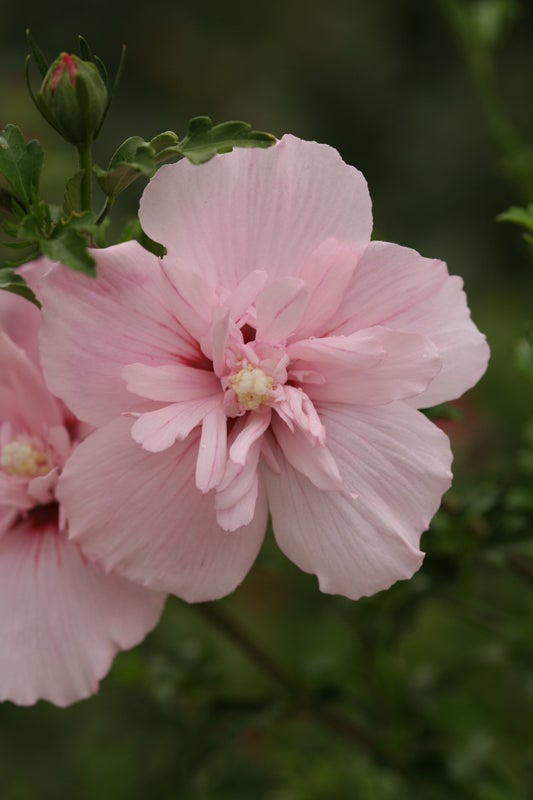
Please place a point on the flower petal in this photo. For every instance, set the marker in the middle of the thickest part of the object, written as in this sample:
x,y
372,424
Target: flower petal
x,y
93,327
396,464
157,430
170,382
36,407
280,307
326,272
63,619
254,427
21,320
396,287
371,367
256,209
212,453
240,492
313,460
156,528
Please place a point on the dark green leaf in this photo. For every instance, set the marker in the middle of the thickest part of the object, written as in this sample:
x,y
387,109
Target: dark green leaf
x,y
10,281
133,158
519,216
164,140
37,53
20,164
69,243
204,140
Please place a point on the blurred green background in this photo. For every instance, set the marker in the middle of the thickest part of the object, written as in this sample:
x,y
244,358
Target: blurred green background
x,y
434,675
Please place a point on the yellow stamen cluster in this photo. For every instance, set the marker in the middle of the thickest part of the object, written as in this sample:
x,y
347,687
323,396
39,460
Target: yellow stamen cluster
x,y
252,386
20,457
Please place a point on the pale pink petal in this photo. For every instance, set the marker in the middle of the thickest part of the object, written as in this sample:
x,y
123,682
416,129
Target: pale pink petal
x,y
215,344
159,429
20,319
35,405
254,427
245,293
7,518
213,450
296,409
14,492
256,210
93,327
396,287
157,528
280,307
59,442
326,272
170,382
191,297
42,488
395,466
371,367
240,493
315,461
9,407
62,619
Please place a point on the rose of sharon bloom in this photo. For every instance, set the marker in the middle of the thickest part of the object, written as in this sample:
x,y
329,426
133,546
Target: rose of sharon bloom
x,y
274,359
62,619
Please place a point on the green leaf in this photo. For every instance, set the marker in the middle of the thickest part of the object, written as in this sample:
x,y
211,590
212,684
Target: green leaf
x,y
133,158
163,140
204,140
518,216
10,281
69,243
20,164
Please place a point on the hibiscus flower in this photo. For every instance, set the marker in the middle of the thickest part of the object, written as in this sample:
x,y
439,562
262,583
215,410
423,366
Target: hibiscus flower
x,y
273,361
62,618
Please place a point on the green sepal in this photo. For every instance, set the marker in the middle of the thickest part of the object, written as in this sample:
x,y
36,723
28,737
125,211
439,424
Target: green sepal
x,y
85,51
133,158
20,164
37,53
10,281
205,140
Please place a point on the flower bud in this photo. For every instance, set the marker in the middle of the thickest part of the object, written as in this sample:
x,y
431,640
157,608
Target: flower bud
x,y
73,98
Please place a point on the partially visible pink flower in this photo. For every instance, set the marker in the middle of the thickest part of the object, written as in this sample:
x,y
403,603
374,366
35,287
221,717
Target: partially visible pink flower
x,y
274,360
62,619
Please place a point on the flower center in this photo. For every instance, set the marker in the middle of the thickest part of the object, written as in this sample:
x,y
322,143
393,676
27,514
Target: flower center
x,y
252,386
20,457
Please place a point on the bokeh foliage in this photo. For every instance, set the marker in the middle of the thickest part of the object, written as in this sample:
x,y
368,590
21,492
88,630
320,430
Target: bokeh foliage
x,y
425,691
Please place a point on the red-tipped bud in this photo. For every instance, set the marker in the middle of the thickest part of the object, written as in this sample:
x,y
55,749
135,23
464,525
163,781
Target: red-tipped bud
x,y
73,98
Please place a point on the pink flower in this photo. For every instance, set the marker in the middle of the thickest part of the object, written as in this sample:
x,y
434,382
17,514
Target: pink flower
x,y
274,360
62,618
